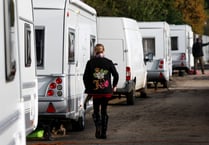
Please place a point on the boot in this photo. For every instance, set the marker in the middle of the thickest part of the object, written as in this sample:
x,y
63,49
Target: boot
x,y
104,126
97,122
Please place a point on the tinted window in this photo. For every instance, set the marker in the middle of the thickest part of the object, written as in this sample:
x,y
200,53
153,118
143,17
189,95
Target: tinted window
x,y
40,34
27,45
10,39
174,43
149,45
71,45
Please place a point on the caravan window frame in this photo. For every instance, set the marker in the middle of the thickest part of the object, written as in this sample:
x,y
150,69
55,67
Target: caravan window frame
x,y
10,39
28,49
92,45
71,45
149,45
174,43
40,45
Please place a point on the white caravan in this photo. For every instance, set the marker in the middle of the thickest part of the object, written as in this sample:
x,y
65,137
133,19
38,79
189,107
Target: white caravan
x,y
65,39
156,43
181,46
12,127
123,45
205,39
19,105
29,84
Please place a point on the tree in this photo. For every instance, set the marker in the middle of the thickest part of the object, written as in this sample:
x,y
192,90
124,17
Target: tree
x,y
193,13
190,12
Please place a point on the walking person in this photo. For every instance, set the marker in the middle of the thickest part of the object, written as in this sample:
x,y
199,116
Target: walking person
x,y
97,81
198,54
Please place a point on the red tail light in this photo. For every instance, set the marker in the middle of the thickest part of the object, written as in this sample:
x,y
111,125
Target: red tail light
x,y
50,108
50,92
59,80
161,63
128,73
161,75
182,64
52,86
55,88
183,56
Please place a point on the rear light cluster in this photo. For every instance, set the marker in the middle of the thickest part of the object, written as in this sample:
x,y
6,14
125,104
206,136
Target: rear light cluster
x,y
161,65
128,73
55,88
183,56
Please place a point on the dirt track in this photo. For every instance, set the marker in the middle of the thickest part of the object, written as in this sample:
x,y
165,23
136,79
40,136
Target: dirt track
x,y
178,116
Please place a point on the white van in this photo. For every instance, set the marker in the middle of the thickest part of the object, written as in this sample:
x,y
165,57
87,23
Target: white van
x,y
19,104
123,45
156,42
65,38
181,46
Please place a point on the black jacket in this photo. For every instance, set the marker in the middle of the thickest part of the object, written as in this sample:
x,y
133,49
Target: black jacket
x,y
97,76
197,49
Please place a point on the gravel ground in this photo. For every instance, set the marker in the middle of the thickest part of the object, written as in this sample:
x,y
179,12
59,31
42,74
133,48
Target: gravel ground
x,y
175,116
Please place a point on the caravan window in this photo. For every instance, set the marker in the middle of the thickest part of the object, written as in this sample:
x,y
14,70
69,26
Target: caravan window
x,y
92,45
40,34
27,45
174,43
71,45
10,39
149,45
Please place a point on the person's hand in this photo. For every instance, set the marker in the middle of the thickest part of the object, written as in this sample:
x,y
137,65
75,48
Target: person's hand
x,y
114,89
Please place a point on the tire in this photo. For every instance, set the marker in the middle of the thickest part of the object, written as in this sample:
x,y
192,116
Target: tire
x,y
131,97
143,93
166,84
79,125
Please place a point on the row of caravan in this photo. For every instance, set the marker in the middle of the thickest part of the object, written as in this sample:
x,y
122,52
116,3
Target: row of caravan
x,y
46,45
169,46
66,33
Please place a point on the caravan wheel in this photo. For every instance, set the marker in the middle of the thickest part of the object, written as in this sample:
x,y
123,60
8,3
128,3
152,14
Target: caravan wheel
x,y
79,125
166,84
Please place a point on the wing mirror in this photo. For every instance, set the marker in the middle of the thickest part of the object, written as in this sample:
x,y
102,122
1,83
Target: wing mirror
x,y
148,57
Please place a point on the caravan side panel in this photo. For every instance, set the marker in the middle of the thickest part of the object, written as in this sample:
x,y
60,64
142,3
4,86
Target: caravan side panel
x,y
12,127
65,38
29,86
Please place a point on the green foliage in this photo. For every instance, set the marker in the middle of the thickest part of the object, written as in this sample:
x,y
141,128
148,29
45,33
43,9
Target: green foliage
x,y
191,12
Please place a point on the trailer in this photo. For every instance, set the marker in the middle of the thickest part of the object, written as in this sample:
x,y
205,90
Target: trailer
x,y
181,46
65,40
19,104
156,43
123,45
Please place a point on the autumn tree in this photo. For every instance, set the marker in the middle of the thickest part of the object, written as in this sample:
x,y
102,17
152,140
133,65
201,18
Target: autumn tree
x,y
190,12
193,13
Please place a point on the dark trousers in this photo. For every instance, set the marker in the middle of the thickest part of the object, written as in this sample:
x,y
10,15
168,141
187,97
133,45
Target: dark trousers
x,y
103,102
100,116
201,61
